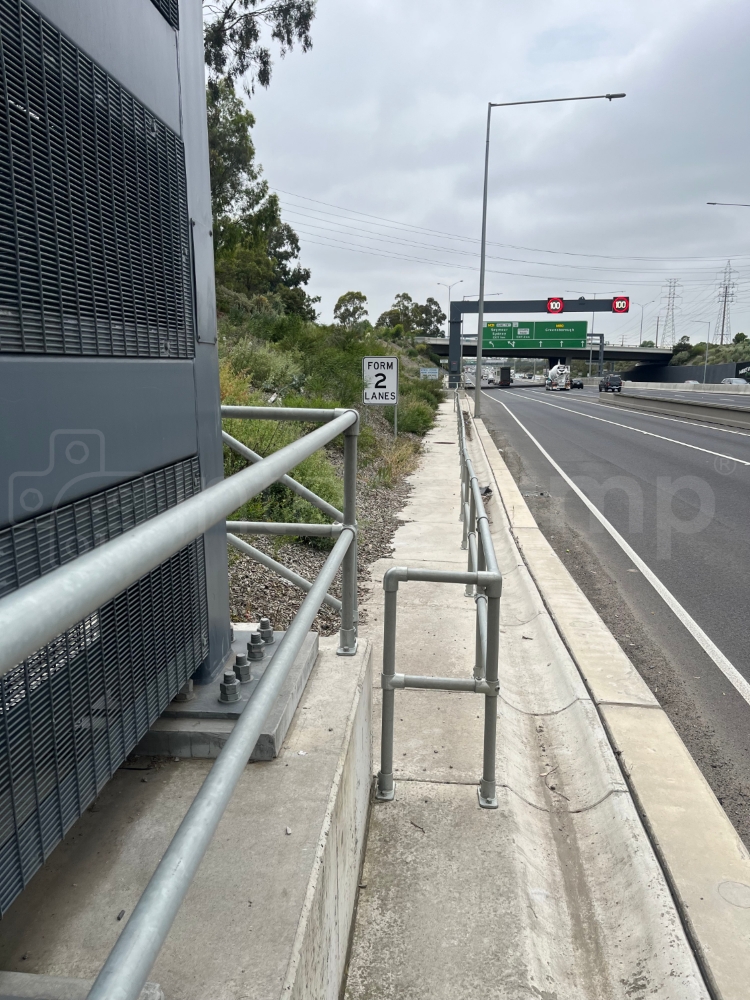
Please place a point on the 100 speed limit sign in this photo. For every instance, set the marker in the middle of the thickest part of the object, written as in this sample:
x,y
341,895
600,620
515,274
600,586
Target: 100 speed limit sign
x,y
381,381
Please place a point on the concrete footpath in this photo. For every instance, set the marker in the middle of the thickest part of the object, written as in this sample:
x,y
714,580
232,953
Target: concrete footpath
x,y
558,893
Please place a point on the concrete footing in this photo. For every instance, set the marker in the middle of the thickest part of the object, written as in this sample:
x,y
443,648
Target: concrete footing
x,y
201,726
269,913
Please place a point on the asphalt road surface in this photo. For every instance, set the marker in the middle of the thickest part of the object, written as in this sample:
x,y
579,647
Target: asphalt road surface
x,y
740,400
677,493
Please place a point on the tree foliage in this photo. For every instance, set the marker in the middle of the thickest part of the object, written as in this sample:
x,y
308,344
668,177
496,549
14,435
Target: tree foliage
x,y
256,253
350,309
413,318
235,32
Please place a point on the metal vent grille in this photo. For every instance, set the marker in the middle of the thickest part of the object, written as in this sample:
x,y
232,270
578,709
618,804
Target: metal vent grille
x,y
169,9
94,228
71,713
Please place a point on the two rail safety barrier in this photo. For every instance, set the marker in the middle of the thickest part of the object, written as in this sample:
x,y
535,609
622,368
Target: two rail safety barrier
x,y
483,582
40,611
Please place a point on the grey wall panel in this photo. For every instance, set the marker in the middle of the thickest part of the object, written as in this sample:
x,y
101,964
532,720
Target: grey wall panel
x,y
210,447
70,428
131,40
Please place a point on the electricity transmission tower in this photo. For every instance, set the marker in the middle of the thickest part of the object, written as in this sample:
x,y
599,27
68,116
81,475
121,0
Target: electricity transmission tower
x,y
725,296
672,295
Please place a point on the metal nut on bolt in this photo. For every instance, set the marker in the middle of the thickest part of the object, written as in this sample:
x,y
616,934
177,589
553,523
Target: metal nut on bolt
x,y
242,668
229,688
266,630
255,649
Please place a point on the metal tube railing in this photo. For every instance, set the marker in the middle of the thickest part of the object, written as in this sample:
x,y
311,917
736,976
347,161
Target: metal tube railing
x,y
348,633
292,484
285,528
38,612
125,972
483,575
299,413
390,680
278,568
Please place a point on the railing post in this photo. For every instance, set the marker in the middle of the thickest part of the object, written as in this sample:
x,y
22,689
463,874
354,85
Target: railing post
x,y
348,630
471,531
487,790
385,789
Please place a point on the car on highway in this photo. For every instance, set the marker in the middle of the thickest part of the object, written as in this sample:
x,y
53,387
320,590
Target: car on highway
x,y
733,381
610,383
691,381
577,383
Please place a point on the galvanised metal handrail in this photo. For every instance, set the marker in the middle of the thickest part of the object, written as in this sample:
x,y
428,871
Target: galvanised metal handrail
x,y
40,611
483,581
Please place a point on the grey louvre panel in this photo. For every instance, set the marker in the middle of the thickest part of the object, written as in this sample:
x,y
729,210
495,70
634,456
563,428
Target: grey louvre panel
x,y
72,712
170,9
94,227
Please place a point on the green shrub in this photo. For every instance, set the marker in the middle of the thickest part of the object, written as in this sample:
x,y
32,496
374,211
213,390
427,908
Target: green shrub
x,y
265,367
414,416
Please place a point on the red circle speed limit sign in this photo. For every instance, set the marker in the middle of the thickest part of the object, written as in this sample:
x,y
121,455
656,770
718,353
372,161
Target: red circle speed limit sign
x,y
620,304
555,305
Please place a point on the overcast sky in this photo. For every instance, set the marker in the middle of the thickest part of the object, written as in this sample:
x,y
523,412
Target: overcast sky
x,y
383,122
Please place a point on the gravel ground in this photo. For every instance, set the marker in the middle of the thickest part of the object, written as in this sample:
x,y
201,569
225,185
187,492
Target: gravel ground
x,y
255,591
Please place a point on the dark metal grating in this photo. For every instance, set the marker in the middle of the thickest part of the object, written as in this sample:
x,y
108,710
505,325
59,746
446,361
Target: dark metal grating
x,y
72,712
94,227
169,9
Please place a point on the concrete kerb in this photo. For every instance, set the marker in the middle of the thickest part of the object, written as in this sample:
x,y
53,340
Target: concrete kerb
x,y
705,862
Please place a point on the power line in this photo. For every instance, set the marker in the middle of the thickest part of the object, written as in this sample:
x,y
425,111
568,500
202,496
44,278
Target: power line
x,y
509,246
349,230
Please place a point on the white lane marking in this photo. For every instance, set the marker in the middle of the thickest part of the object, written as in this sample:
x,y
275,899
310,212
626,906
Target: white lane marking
x,y
731,673
660,416
637,430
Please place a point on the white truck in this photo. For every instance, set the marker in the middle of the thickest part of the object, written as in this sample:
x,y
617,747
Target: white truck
x,y
558,378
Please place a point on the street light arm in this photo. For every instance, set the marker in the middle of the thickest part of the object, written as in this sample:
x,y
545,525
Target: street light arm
x,y
731,204
560,100
480,310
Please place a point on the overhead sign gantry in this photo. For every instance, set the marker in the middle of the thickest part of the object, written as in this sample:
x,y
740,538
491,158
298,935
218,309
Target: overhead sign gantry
x,y
553,306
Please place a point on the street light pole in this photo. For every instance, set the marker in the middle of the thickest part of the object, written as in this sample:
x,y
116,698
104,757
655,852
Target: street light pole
x,y
451,285
708,334
480,317
642,308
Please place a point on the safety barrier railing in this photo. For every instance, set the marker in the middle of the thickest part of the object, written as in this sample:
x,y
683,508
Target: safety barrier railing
x,y
40,611
483,582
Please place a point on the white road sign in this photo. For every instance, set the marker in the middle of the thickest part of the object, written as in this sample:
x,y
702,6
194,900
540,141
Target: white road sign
x,y
430,373
381,381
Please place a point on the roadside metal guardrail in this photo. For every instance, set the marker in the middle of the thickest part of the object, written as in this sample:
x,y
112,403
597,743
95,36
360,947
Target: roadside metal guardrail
x,y
40,611
483,581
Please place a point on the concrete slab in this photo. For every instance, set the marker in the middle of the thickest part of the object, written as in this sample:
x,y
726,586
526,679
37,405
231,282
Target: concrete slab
x,y
269,912
707,861
557,893
24,986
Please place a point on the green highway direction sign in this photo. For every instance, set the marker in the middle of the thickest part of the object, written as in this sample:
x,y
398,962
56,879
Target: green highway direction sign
x,y
544,334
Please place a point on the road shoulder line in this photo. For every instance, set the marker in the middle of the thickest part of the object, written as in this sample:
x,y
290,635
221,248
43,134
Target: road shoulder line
x,y
704,860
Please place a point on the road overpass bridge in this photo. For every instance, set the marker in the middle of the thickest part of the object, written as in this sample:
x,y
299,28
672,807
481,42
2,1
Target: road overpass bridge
x,y
458,346
649,355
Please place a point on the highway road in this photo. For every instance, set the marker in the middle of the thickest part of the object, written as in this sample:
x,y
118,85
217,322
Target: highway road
x,y
687,396
651,516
